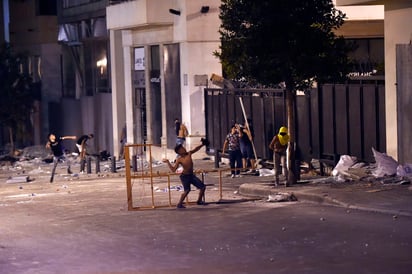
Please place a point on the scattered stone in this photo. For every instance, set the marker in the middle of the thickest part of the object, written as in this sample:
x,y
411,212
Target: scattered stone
x,y
7,159
282,197
18,180
33,152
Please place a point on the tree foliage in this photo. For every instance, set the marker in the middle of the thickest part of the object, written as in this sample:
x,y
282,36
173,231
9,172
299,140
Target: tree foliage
x,y
291,41
269,42
16,94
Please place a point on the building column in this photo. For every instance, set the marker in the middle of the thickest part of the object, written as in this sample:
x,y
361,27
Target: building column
x,y
117,83
163,139
149,118
128,88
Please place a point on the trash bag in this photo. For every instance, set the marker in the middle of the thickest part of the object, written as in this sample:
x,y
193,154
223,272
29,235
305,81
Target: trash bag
x,y
404,170
266,172
385,164
345,162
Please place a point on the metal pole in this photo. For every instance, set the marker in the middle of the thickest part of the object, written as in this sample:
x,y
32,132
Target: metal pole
x,y
128,178
220,185
82,164
168,190
97,164
247,127
217,159
204,193
151,175
134,163
89,165
113,169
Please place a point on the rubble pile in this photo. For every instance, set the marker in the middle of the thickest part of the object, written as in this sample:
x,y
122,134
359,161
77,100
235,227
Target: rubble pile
x,y
385,169
37,161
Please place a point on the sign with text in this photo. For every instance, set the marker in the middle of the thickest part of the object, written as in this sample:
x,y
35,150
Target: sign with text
x,y
139,62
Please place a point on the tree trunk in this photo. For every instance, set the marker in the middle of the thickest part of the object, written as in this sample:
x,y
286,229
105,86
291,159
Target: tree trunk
x,y
11,141
290,110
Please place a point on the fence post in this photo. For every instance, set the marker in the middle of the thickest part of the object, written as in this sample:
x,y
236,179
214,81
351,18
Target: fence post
x,y
134,163
97,164
89,165
217,159
113,169
82,164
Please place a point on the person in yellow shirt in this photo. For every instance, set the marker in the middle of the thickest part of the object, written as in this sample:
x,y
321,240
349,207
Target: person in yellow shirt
x,y
279,145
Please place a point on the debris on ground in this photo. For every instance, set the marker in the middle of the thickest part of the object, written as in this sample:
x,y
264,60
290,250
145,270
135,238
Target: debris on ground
x,y
33,152
404,170
282,197
7,159
266,172
385,164
18,180
385,169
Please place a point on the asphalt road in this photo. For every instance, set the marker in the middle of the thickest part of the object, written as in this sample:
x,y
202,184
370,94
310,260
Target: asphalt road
x,y
83,226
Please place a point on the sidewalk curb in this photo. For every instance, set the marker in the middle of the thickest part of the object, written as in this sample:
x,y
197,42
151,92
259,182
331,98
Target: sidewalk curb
x,y
308,195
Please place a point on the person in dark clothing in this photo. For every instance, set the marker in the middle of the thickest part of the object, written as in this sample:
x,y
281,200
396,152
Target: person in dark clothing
x,y
232,144
54,143
246,146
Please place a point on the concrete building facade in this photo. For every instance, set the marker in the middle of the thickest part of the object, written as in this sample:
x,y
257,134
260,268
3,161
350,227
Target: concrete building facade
x,y
31,28
398,68
152,30
161,59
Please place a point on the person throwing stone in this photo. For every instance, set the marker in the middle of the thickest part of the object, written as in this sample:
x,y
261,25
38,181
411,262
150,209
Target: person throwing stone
x,y
188,177
54,143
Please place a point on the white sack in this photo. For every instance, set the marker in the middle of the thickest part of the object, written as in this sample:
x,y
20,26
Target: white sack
x,y
345,162
404,170
385,164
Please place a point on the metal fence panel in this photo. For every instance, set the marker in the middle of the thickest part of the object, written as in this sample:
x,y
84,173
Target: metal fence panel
x,y
330,120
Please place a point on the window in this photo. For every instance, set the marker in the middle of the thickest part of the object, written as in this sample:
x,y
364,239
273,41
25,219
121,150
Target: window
x,y
368,58
46,7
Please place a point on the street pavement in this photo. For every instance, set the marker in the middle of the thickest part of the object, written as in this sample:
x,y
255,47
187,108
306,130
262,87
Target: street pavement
x,y
391,196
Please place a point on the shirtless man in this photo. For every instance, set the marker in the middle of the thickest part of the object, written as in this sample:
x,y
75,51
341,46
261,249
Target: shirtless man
x,y
187,177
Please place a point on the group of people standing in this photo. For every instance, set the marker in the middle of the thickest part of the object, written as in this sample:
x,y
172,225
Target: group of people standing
x,y
239,145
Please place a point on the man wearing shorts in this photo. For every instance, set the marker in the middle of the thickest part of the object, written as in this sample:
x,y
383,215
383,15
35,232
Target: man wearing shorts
x,y
187,177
